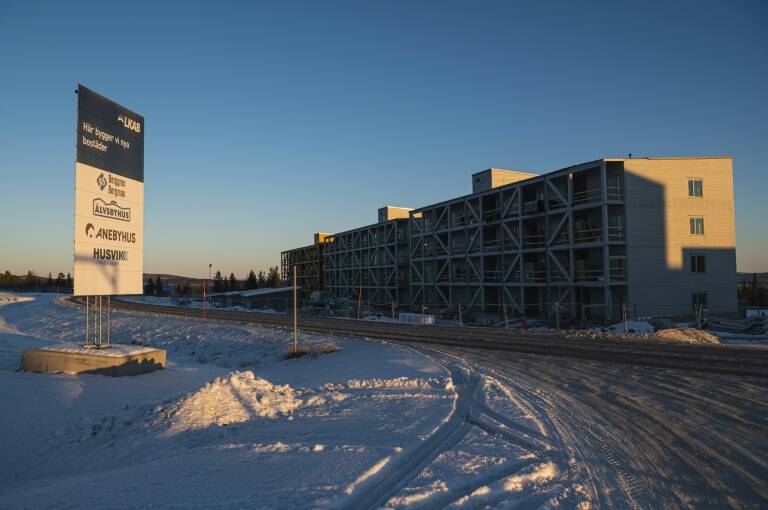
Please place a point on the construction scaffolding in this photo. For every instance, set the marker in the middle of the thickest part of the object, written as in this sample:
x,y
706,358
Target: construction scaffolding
x,y
370,264
526,246
308,261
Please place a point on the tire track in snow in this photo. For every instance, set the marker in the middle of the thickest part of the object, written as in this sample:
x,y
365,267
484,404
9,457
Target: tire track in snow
x,y
648,437
406,465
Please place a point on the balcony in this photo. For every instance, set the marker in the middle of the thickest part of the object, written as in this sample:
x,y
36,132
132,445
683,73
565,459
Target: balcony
x,y
492,276
535,275
615,193
534,241
596,195
587,235
491,215
616,234
533,206
589,275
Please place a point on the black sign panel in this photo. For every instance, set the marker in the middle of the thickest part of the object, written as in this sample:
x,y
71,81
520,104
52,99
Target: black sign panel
x,y
109,136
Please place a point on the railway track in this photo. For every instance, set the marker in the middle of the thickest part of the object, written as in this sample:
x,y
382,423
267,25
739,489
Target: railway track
x,y
723,359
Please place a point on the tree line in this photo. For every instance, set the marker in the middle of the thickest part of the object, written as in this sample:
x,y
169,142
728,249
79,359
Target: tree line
x,y
218,283
753,293
32,282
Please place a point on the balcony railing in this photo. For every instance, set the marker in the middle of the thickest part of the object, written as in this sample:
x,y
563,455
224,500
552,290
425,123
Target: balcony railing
x,y
618,274
492,276
615,193
587,235
596,194
589,275
535,275
616,233
458,248
534,241
509,244
491,215
460,277
533,207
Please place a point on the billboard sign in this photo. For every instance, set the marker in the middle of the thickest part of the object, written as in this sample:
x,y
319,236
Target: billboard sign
x,y
109,197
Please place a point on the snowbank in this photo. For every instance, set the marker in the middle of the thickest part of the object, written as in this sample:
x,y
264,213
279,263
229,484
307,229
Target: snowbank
x,y
632,327
236,398
12,298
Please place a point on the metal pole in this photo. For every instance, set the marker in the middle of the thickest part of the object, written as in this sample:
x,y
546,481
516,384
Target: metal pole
x,y
109,320
624,313
295,313
461,321
506,322
360,295
99,321
393,311
86,322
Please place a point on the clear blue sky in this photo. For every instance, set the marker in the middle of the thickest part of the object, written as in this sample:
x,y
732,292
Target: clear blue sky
x,y
268,122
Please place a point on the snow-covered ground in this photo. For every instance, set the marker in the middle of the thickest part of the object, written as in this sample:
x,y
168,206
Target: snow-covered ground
x,y
231,423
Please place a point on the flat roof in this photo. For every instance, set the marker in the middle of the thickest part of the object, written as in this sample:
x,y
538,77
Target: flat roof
x,y
494,169
666,157
396,207
262,292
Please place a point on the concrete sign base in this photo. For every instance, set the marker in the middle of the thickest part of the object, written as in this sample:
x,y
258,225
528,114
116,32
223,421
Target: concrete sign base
x,y
116,361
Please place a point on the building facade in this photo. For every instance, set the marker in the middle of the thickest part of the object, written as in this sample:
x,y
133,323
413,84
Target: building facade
x,y
307,262
370,263
598,240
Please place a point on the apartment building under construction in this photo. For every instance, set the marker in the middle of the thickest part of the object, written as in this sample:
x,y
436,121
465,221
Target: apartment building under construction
x,y
642,236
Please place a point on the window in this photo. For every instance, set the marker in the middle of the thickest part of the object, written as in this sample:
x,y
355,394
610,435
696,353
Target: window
x,y
699,300
697,264
696,226
695,188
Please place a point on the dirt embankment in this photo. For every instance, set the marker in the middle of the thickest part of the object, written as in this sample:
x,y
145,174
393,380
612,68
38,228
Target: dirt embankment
x,y
686,335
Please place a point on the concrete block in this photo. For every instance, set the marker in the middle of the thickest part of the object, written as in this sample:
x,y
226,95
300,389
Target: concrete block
x,y
117,361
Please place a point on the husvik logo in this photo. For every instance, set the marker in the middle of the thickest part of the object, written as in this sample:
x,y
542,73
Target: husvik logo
x,y
129,123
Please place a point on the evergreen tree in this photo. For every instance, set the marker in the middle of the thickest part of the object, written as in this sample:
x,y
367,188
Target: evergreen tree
x,y
262,279
754,295
251,282
273,278
49,281
233,283
69,281
217,287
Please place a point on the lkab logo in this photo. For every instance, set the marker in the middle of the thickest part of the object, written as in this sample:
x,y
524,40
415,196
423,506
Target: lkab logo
x,y
128,122
102,182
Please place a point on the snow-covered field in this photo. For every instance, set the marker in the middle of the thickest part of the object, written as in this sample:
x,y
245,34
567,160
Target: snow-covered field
x,y
231,423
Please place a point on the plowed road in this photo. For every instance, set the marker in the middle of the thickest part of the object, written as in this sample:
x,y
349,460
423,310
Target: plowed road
x,y
724,359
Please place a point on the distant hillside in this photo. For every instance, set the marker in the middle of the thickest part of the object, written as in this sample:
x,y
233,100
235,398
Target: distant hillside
x,y
173,279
